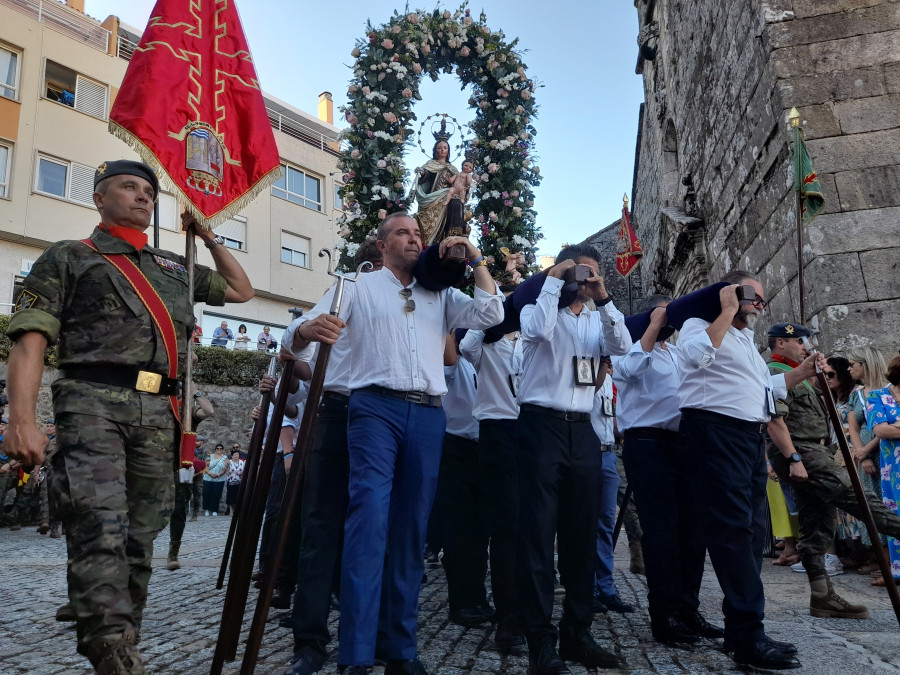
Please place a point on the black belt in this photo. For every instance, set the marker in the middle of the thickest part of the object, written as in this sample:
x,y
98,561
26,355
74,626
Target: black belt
x,y
606,448
417,397
335,397
746,426
568,416
145,381
651,432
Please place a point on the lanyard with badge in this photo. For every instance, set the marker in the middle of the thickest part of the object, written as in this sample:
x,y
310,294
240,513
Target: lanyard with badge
x,y
583,366
515,365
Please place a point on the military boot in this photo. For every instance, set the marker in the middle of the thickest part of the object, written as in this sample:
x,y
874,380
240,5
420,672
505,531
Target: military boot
x,y
825,603
637,558
66,613
114,655
172,563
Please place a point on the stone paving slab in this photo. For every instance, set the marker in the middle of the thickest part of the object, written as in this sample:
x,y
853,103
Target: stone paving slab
x,y
182,618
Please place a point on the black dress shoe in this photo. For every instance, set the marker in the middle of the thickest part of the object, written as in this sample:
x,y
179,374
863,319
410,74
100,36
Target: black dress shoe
x,y
286,620
305,662
671,631
470,616
785,647
587,652
546,661
488,610
409,667
763,654
281,601
695,622
508,637
335,602
614,603
598,606
355,670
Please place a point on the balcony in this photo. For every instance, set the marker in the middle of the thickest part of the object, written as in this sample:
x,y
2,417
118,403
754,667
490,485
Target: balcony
x,y
301,132
63,20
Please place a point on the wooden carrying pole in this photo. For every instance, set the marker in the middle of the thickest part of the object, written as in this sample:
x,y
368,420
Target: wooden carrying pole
x,y
247,536
291,490
248,477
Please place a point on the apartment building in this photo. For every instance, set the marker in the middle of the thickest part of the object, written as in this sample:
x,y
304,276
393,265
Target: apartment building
x,y
60,72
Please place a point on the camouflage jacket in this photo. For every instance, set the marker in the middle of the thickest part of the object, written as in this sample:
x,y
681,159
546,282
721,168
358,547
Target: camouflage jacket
x,y
76,298
802,411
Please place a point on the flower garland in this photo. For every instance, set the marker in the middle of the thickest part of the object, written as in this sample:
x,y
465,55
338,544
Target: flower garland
x,y
390,62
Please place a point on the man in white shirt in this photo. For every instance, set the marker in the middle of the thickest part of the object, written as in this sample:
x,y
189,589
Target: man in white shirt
x,y
727,398
560,462
395,432
499,368
648,380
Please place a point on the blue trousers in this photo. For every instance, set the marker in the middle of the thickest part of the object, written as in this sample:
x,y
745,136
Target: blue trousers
x,y
727,476
604,584
395,453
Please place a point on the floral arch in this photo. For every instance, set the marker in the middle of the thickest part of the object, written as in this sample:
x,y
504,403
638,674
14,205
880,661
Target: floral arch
x,y
389,64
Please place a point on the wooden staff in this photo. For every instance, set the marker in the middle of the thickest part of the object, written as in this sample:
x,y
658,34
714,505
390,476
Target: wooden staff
x,y
880,554
304,441
248,477
247,536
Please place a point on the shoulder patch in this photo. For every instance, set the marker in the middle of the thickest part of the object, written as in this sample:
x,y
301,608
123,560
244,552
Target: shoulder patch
x,y
26,300
169,264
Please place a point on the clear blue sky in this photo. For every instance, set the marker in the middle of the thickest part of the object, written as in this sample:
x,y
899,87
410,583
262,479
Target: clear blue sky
x,y
583,52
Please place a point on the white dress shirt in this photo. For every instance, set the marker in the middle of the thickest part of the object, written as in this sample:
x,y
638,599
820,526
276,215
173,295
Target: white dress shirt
x,y
604,424
337,375
495,364
732,380
460,398
298,398
401,350
648,384
553,336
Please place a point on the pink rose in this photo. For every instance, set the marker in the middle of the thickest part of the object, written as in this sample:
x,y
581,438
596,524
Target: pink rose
x,y
354,154
412,17
407,93
381,76
526,94
447,14
344,231
353,89
494,143
395,29
514,193
366,91
426,48
351,118
468,21
492,217
390,117
381,164
387,43
417,68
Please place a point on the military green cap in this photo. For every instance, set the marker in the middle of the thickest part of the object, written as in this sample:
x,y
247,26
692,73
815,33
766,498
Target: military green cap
x,y
126,167
789,330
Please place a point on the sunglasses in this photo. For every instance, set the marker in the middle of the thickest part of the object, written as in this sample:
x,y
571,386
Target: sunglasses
x,y
406,294
829,374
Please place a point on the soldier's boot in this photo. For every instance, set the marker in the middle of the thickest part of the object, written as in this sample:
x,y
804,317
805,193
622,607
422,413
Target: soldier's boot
x,y
637,558
172,563
114,655
824,602
66,613
44,527
54,531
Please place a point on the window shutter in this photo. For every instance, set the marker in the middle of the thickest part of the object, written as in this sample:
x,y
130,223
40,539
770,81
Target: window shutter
x,y
234,228
295,243
90,97
81,184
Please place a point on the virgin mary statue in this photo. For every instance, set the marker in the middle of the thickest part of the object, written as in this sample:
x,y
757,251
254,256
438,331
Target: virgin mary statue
x,y
430,189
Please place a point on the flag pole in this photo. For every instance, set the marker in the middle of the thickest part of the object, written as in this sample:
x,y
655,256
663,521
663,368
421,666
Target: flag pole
x,y
794,118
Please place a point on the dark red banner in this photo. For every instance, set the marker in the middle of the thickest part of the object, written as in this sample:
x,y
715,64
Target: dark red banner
x,y
628,248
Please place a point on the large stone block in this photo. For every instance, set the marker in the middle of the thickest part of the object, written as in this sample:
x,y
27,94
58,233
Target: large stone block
x,y
881,271
845,326
835,26
826,57
858,151
867,188
854,231
819,121
868,114
810,89
807,8
833,278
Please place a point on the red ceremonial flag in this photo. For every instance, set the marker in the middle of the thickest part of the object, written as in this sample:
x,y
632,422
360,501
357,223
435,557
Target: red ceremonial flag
x,y
628,249
191,106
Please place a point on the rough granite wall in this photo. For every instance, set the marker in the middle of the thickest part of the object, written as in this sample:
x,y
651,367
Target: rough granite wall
x,y
717,92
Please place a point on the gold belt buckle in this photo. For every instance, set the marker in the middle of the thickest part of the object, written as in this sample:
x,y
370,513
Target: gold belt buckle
x,y
148,382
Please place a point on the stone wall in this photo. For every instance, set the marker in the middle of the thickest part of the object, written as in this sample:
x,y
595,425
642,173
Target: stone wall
x,y
717,91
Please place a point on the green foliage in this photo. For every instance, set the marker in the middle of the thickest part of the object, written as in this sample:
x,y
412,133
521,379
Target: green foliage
x,y
50,355
389,64
224,367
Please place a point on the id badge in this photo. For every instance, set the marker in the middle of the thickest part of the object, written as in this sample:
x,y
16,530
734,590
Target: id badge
x,y
608,407
584,371
770,402
514,384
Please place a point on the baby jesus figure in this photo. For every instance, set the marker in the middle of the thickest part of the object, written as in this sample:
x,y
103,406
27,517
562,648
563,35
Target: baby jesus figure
x,y
461,182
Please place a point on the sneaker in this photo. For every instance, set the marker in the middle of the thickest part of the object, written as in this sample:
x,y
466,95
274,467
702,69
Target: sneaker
x,y
833,565
206,513
798,567
215,513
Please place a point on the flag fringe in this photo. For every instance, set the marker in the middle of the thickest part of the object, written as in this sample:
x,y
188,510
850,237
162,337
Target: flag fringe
x,y
207,223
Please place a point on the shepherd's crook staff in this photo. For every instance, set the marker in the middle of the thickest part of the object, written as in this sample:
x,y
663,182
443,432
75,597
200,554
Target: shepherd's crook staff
x,y
304,441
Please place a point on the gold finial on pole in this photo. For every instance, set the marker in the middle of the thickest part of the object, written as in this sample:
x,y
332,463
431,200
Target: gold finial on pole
x,y
625,201
794,117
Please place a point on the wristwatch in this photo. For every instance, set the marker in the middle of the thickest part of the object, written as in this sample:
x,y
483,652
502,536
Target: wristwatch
x,y
215,241
796,457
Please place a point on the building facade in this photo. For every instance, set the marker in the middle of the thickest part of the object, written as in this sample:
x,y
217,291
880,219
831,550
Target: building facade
x,y
60,71
713,186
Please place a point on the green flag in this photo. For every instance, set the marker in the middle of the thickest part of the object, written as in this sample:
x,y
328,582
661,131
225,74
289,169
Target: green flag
x,y
806,181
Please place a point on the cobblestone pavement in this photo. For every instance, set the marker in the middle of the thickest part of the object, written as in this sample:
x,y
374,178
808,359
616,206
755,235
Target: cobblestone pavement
x,y
182,617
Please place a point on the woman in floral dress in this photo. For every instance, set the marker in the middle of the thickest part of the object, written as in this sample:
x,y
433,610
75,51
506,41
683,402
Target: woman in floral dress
x,y
883,413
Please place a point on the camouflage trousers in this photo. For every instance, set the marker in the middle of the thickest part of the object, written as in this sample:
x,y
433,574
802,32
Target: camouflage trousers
x,y
112,487
827,489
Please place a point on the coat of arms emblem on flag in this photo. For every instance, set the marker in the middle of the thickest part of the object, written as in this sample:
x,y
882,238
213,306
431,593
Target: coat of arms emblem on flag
x,y
628,248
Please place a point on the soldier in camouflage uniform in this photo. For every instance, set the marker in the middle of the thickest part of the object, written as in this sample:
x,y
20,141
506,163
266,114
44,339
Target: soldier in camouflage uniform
x,y
801,451
112,481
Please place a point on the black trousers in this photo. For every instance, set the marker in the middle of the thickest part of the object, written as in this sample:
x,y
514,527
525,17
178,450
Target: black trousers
x,y
559,481
726,463
673,557
499,469
324,507
461,513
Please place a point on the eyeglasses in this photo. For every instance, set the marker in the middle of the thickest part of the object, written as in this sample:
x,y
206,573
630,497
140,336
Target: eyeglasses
x,y
406,294
829,374
759,303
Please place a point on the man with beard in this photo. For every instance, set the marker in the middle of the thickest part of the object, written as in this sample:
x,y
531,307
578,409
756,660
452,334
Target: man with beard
x,y
727,398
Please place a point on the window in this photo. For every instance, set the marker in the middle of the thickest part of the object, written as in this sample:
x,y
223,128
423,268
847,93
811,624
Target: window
x,y
338,202
9,73
68,180
168,216
234,232
65,86
5,155
298,187
294,250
